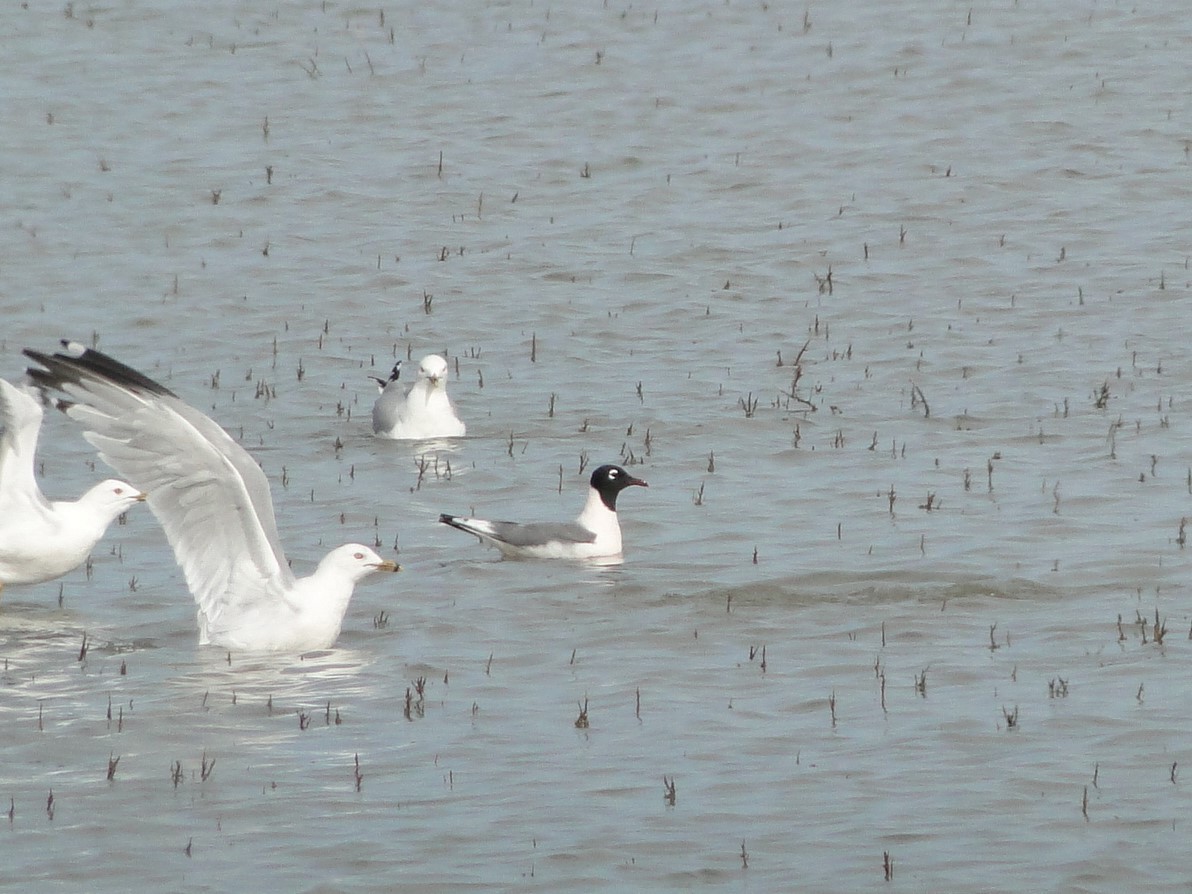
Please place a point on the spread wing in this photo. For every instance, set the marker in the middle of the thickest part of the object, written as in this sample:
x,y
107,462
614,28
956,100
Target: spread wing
x,y
20,414
209,494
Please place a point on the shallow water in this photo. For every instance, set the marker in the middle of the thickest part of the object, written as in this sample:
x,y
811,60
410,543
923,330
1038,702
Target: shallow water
x,y
834,598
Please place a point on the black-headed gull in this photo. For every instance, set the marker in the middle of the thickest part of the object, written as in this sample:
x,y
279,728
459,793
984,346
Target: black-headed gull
x,y
39,539
595,534
423,412
213,501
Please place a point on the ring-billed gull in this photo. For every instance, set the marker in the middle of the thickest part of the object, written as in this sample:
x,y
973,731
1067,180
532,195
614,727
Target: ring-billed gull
x,y
213,501
39,539
595,534
424,412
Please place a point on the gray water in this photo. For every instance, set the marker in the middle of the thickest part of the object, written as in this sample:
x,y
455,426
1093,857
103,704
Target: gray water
x,y
886,513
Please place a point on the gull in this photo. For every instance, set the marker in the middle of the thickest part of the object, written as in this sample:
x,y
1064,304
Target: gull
x,y
595,534
423,412
39,539
213,501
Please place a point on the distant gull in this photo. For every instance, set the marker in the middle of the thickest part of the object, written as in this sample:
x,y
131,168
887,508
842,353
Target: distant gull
x,y
424,412
213,501
595,534
41,540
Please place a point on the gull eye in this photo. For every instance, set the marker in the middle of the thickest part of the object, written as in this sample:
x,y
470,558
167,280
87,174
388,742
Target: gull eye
x,y
358,556
119,491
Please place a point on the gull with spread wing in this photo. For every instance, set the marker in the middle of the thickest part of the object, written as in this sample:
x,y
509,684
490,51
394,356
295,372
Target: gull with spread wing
x,y
213,501
42,539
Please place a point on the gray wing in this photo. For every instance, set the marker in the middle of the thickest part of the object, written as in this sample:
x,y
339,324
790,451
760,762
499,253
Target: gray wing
x,y
387,409
521,535
538,533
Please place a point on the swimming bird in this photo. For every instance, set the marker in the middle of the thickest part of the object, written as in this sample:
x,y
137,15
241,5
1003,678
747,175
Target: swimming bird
x,y
213,501
423,412
595,534
39,539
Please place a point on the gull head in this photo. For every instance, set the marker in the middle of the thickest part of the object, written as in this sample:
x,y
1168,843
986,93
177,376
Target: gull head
x,y
113,497
610,480
433,368
356,561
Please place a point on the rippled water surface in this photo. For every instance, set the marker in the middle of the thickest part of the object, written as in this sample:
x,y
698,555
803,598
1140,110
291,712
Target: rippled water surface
x,y
889,303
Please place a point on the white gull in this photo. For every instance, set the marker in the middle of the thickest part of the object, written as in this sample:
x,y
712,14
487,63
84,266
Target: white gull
x,y
423,412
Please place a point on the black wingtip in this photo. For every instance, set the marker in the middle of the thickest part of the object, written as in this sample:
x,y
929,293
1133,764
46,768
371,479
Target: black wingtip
x,y
77,361
451,520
